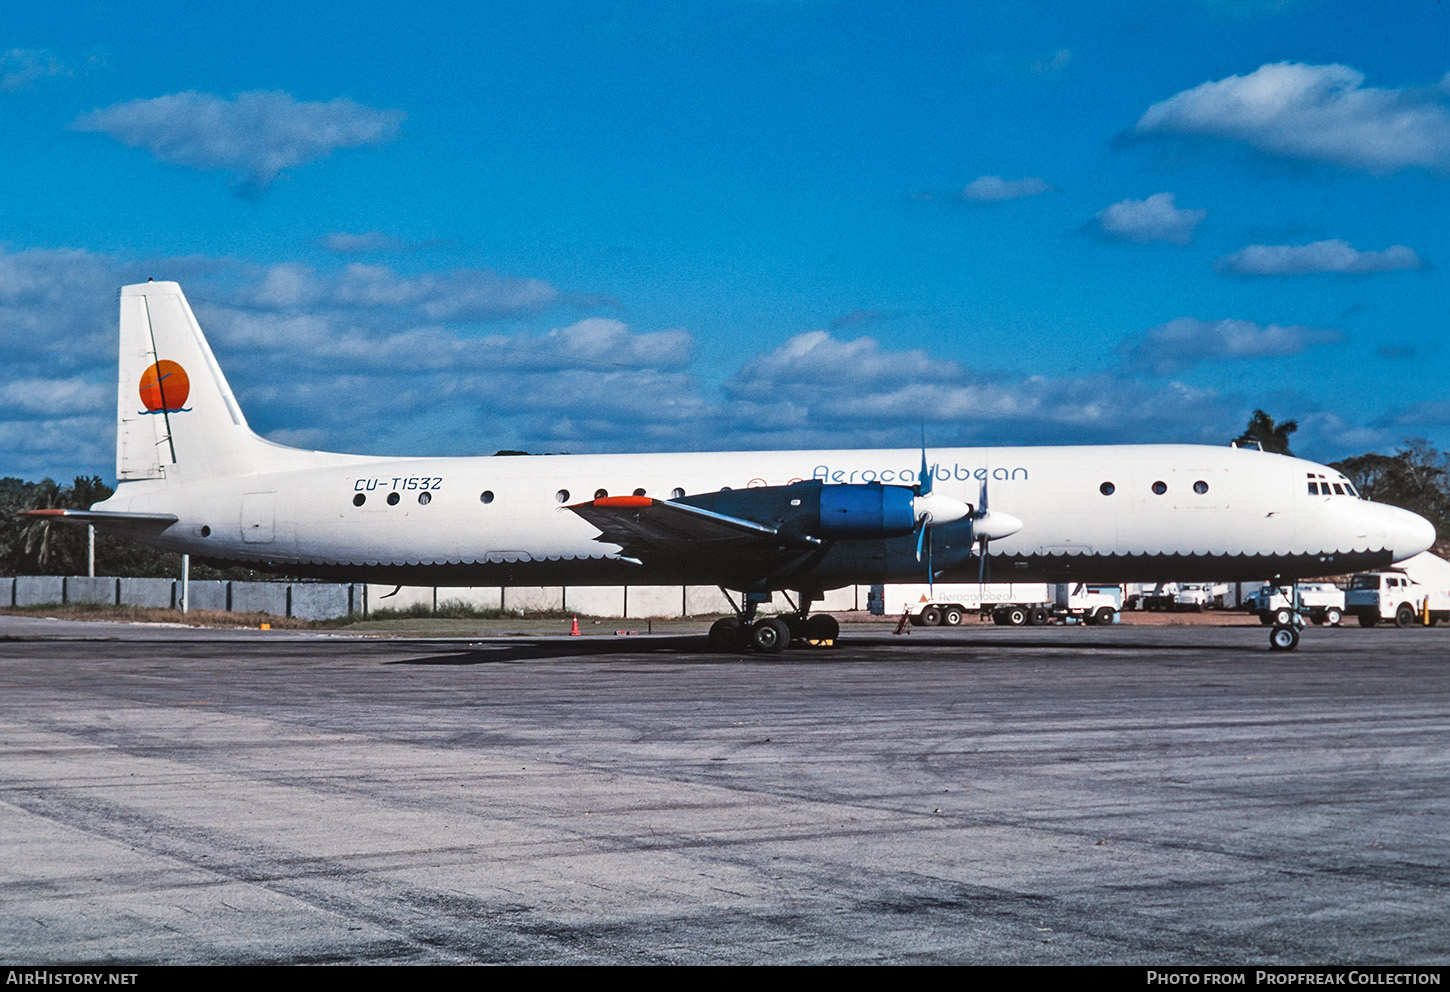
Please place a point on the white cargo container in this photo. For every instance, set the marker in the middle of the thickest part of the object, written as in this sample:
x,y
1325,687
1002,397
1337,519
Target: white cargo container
x,y
1012,603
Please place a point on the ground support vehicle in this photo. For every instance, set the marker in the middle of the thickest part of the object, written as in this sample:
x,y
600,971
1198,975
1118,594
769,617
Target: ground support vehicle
x,y
1322,602
1180,597
1010,603
1391,596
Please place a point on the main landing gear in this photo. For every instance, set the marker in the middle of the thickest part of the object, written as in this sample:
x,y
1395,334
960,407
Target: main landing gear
x,y
770,635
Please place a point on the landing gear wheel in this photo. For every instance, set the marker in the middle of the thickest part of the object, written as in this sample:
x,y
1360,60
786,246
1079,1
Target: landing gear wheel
x,y
931,616
822,627
769,636
951,617
1333,617
725,635
1283,638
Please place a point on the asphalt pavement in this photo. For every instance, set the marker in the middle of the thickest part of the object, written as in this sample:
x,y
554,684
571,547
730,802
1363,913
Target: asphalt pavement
x,y
986,795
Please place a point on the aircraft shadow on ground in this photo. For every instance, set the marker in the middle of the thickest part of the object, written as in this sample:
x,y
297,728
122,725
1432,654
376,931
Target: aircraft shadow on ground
x,y
694,649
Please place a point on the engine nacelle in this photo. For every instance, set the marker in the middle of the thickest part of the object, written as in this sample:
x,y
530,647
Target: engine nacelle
x,y
849,511
866,510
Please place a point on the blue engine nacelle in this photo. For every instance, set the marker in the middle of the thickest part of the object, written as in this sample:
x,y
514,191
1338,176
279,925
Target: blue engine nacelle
x,y
866,510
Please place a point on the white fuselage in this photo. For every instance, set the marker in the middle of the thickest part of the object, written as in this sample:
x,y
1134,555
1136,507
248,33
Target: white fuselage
x,y
1092,513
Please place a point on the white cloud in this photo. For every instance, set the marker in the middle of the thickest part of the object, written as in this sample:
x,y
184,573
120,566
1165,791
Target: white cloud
x,y
1321,256
819,390
343,243
458,295
57,310
1158,218
1320,112
21,68
1427,413
254,136
35,394
1184,342
994,188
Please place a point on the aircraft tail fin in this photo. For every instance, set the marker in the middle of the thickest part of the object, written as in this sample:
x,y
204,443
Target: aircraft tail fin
x,y
176,415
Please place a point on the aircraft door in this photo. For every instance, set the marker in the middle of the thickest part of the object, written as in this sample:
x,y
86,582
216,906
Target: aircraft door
x,y
259,516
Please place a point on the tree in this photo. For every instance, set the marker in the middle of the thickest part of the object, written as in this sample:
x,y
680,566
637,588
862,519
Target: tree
x,y
1269,435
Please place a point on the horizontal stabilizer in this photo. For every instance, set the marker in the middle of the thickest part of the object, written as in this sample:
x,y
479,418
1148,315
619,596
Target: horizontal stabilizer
x,y
99,517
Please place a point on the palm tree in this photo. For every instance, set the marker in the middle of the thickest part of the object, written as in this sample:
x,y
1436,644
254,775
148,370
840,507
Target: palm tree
x,y
1268,435
36,534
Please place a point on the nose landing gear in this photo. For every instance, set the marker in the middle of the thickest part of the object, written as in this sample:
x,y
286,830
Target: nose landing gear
x,y
1288,622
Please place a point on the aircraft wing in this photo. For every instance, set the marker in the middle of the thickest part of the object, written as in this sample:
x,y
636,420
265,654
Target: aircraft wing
x,y
658,531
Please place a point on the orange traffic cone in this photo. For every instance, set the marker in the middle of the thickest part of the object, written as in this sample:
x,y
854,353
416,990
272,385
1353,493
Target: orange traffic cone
x,y
575,631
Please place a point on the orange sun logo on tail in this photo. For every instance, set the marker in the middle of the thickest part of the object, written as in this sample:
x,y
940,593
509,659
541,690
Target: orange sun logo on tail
x,y
164,388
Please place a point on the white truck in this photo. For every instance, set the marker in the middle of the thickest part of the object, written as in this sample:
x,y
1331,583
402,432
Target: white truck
x,y
1392,596
1324,602
1011,603
1181,596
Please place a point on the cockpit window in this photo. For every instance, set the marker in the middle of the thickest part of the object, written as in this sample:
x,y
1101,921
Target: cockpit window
x,y
1320,486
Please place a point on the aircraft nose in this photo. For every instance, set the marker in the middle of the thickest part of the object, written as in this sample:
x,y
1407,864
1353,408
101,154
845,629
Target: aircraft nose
x,y
1406,534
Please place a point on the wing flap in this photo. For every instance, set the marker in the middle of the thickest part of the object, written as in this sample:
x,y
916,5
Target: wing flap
x,y
658,531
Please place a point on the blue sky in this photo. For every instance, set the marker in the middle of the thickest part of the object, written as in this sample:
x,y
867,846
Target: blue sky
x,y
616,226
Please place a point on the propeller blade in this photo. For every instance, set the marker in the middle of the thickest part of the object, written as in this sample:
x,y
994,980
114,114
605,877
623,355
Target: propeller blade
x,y
923,478
920,536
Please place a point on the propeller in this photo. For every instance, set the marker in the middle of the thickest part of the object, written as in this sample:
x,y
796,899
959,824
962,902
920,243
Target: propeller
x,y
988,524
932,508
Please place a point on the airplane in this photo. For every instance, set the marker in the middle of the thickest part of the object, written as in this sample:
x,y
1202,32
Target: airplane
x,y
194,478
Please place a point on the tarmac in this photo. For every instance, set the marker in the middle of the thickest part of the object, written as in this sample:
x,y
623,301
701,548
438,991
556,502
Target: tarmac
x,y
986,795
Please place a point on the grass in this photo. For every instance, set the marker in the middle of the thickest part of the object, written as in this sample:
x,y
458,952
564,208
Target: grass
x,y
153,614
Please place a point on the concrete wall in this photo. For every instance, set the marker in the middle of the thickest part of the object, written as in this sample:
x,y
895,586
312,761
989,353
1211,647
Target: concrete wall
x,y
206,594
158,593
89,589
259,597
33,590
600,601
324,600
529,598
